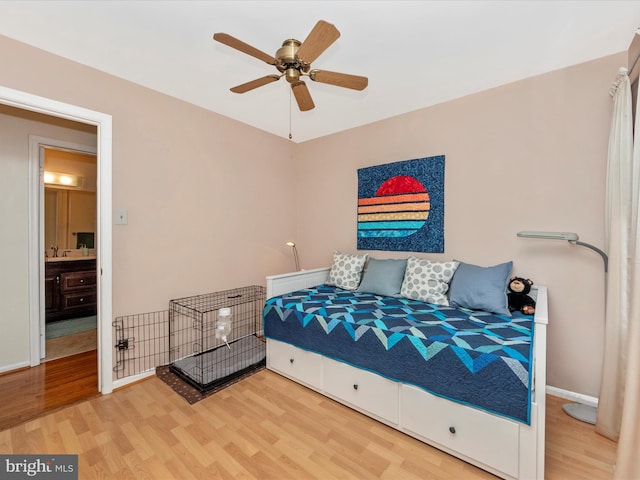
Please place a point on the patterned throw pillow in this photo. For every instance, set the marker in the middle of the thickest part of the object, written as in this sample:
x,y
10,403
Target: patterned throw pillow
x,y
346,270
428,281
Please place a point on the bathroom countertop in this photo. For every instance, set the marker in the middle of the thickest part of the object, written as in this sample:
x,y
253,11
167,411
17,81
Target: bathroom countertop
x,y
69,259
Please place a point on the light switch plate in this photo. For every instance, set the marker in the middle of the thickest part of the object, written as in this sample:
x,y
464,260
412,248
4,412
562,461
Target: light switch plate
x,y
121,216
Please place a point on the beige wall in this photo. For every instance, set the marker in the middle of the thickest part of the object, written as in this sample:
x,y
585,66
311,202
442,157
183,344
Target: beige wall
x,y
211,201
526,156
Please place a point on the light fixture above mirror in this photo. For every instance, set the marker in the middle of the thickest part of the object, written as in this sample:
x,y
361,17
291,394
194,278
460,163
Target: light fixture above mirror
x,y
63,179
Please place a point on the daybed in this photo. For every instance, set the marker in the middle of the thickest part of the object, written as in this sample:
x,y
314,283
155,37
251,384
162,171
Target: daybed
x,y
384,356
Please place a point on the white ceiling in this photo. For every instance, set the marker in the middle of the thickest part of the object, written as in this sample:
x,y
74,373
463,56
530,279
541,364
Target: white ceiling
x,y
415,53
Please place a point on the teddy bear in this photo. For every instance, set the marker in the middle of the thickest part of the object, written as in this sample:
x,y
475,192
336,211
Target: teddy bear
x,y
518,299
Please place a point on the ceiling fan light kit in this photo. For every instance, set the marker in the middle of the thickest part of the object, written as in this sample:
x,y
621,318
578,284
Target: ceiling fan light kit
x,y
293,61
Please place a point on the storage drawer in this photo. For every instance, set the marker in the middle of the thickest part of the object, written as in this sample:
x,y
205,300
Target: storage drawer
x,y
79,300
301,365
477,434
77,280
362,389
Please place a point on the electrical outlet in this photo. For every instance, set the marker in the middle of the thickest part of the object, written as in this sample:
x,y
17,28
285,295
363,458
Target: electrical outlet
x,y
121,216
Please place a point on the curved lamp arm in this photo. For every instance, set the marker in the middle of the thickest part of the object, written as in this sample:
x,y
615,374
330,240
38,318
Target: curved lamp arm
x,y
595,249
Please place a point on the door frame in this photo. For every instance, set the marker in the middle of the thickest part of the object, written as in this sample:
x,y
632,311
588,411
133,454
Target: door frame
x,y
103,124
37,144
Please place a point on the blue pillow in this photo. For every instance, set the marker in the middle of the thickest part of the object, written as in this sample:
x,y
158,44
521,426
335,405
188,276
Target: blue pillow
x,y
383,277
481,288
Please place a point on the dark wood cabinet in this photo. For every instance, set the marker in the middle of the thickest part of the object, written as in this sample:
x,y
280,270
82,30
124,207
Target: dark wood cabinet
x,y
51,291
70,289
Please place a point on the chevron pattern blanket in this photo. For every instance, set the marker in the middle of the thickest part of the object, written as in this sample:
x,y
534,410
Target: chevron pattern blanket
x,y
475,358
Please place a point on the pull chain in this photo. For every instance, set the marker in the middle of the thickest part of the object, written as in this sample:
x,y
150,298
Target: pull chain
x,y
290,137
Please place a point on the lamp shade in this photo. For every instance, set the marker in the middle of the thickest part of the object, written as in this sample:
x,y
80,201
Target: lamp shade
x,y
569,236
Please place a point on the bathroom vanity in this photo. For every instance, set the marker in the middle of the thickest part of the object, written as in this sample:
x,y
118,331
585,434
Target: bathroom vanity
x,y
70,287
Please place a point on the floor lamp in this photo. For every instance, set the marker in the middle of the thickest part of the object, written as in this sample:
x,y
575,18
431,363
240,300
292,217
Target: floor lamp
x,y
579,411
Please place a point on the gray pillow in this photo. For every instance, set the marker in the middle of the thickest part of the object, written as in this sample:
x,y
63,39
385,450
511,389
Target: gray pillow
x,y
481,288
383,277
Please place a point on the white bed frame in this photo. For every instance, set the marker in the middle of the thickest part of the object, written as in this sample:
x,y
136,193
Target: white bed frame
x,y
499,445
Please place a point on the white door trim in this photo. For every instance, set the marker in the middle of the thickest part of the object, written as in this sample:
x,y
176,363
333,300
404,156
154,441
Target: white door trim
x,y
103,122
36,198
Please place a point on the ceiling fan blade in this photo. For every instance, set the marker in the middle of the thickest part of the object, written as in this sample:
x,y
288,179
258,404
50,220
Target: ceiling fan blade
x,y
318,40
259,82
339,79
233,42
303,97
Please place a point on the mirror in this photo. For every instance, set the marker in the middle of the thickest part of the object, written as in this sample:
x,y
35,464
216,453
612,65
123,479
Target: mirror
x,y
69,207
69,219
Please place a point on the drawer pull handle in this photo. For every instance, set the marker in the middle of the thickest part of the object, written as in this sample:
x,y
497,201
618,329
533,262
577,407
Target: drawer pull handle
x,y
291,360
452,429
82,280
355,386
82,299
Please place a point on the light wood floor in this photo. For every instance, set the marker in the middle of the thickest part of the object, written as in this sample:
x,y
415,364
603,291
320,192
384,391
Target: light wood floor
x,y
267,427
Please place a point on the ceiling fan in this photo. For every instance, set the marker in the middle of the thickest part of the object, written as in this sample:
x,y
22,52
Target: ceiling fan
x,y
293,60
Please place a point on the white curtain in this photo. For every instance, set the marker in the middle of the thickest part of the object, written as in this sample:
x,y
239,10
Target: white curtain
x,y
628,461
618,247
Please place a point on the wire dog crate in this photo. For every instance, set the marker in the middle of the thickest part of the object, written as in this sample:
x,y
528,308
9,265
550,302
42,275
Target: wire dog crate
x,y
204,349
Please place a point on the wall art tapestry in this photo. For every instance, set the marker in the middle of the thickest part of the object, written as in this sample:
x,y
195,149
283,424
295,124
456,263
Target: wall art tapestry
x,y
401,206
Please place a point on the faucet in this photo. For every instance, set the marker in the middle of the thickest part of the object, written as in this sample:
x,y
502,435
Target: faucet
x,y
55,250
64,252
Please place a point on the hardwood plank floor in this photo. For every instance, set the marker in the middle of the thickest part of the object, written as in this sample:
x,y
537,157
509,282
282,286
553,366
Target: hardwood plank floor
x,y
31,392
267,427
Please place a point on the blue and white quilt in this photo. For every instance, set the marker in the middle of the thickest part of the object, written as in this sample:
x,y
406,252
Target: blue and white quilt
x,y
475,358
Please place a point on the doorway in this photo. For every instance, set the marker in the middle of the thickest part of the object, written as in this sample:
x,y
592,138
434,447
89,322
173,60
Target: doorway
x,y
103,124
70,281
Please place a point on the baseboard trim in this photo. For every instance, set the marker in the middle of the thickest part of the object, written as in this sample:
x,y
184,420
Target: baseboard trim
x,y
573,396
125,382
15,366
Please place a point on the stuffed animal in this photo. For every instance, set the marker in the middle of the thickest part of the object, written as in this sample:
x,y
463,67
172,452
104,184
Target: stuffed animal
x,y
518,298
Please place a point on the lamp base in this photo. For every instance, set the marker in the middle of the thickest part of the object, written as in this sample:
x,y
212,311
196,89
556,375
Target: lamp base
x,y
582,412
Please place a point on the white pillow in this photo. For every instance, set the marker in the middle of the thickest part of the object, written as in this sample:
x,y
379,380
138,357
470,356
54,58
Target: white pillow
x,y
428,281
346,271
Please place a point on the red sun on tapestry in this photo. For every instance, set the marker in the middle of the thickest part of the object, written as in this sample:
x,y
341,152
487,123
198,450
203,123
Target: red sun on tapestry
x,y
400,184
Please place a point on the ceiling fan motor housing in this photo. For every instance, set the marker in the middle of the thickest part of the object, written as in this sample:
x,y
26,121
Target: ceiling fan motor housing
x,y
287,53
288,61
